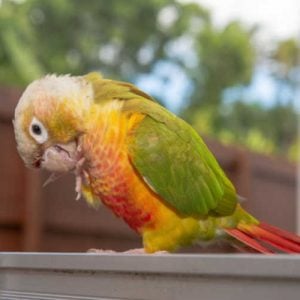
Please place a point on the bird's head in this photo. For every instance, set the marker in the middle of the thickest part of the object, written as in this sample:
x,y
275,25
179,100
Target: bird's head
x,y
49,119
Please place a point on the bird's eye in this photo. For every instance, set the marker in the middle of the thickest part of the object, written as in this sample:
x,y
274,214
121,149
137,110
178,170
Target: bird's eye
x,y
38,131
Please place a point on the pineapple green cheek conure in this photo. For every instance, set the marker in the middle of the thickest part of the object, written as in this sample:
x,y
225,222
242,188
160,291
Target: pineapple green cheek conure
x,y
144,163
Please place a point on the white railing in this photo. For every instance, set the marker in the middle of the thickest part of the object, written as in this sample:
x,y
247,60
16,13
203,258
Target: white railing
x,y
46,276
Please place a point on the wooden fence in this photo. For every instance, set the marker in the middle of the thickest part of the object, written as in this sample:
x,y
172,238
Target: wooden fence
x,y
33,218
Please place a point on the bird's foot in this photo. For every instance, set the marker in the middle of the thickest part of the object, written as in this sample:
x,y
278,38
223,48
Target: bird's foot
x,y
93,250
142,251
131,251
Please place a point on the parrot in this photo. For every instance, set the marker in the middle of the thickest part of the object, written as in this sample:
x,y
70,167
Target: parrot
x,y
144,163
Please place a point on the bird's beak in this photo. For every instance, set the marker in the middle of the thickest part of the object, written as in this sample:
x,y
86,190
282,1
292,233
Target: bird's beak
x,y
59,157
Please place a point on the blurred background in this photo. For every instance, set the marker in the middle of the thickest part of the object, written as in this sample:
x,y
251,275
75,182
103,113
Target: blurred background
x,y
230,68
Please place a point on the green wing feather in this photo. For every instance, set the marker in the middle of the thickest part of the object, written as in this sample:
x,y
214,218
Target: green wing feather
x,y
170,155
107,90
177,164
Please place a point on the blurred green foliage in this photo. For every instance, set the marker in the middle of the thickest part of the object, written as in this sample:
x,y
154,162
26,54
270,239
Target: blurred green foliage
x,y
126,38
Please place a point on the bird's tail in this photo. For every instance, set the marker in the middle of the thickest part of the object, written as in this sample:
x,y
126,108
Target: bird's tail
x,y
264,238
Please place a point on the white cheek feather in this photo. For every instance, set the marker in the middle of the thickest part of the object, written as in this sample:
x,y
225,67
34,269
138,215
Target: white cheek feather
x,y
25,145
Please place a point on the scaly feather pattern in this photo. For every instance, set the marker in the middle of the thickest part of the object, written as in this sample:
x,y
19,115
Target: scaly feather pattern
x,y
114,180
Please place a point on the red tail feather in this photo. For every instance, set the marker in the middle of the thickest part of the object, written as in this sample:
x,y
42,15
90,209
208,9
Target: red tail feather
x,y
283,233
264,237
247,240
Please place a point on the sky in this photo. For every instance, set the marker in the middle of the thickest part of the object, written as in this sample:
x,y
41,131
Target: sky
x,y
277,20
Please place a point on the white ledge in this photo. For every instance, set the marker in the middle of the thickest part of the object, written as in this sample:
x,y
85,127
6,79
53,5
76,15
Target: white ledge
x,y
127,276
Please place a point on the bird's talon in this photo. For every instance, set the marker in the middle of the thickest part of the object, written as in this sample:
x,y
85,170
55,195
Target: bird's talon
x,y
93,250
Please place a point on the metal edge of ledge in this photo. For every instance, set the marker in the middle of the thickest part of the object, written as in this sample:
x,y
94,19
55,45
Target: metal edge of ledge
x,y
255,265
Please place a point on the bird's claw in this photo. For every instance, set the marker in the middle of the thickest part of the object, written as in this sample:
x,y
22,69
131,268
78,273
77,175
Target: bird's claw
x,y
131,251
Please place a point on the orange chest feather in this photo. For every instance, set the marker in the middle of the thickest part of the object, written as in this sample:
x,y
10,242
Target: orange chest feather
x,y
112,177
